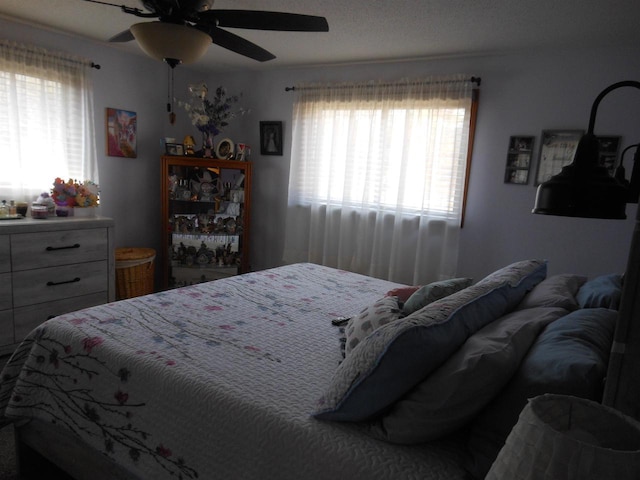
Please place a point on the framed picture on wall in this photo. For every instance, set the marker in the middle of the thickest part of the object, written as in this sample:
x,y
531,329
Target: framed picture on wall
x,y
608,152
121,133
557,149
271,138
519,160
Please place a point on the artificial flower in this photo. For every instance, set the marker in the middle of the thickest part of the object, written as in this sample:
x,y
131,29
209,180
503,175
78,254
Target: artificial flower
x,y
211,116
64,193
72,193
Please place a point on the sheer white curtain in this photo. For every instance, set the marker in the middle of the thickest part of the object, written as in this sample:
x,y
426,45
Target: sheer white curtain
x,y
377,176
46,120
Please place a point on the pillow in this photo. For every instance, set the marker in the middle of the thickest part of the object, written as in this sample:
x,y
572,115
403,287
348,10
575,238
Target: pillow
x,y
604,291
432,292
569,357
397,356
370,318
453,395
557,291
403,293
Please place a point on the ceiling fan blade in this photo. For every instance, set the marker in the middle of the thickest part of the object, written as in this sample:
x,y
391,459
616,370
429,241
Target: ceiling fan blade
x,y
124,36
237,44
263,20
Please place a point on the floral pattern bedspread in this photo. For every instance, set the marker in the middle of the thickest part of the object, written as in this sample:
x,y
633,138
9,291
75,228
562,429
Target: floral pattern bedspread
x,y
212,381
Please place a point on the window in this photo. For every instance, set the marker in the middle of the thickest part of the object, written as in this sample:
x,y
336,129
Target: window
x,y
382,163
395,187
46,123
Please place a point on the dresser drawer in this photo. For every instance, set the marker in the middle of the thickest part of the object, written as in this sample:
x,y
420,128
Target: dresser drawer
x,y
29,317
5,291
6,328
48,249
54,283
5,254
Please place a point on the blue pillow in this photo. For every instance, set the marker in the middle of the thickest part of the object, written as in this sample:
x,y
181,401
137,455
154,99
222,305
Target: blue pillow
x,y
397,356
604,291
570,357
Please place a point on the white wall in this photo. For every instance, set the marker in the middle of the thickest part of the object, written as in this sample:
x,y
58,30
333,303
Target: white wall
x,y
520,95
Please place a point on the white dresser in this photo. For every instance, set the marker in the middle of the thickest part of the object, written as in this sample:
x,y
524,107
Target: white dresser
x,y
49,267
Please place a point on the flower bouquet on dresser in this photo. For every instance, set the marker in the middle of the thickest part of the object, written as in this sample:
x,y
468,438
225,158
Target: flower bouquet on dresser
x,y
73,198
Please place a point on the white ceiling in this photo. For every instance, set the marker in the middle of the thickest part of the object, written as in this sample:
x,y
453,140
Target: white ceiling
x,y
374,30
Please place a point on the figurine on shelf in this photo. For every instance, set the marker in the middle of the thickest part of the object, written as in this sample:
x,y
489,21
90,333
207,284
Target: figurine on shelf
x,y
205,186
189,145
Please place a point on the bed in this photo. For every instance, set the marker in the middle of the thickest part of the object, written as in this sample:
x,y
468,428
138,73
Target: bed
x,y
261,376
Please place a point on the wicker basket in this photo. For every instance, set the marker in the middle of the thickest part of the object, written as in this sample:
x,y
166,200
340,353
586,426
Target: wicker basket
x,y
134,272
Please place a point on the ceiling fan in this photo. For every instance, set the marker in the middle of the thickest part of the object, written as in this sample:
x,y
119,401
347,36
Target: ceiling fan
x,y
185,28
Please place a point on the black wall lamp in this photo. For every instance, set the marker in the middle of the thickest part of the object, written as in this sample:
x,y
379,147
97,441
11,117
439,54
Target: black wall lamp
x,y
585,189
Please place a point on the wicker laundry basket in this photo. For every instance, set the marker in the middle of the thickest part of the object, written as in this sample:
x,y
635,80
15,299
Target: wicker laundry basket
x,y
134,272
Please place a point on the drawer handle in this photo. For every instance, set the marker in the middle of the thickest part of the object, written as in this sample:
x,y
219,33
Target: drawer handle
x,y
51,249
52,284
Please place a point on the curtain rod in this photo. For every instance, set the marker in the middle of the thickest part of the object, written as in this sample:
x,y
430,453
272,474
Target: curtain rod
x,y
61,55
477,80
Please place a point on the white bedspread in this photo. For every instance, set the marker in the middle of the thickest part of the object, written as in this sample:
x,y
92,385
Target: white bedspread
x,y
214,381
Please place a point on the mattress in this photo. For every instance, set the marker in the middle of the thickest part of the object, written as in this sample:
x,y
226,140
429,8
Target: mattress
x,y
213,381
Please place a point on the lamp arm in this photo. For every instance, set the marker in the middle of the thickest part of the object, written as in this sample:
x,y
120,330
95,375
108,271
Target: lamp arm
x,y
625,151
596,102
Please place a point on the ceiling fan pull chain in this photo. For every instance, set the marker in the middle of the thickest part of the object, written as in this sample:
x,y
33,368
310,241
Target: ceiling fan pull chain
x,y
172,115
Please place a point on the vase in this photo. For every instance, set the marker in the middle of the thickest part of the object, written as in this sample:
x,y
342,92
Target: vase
x,y
63,210
207,144
84,212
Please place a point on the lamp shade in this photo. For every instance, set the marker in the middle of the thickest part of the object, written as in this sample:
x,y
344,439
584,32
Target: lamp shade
x,y
634,183
583,188
171,42
559,437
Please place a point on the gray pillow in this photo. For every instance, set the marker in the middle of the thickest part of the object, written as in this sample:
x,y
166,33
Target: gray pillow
x,y
432,292
454,394
556,291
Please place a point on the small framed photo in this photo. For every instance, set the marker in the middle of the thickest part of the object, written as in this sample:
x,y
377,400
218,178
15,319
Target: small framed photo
x,y
174,149
271,138
225,149
122,126
242,152
608,147
557,149
519,160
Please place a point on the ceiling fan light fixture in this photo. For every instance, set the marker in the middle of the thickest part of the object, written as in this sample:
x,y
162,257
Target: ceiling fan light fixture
x,y
171,42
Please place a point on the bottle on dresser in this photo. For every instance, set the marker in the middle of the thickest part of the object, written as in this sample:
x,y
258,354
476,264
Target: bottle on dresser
x,y
4,209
